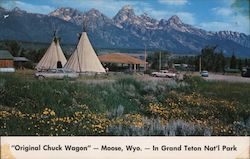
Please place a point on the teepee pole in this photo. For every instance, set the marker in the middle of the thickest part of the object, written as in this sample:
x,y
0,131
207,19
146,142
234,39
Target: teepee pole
x,y
145,58
77,53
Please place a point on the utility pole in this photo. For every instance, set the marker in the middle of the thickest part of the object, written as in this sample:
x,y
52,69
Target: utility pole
x,y
145,58
200,64
160,61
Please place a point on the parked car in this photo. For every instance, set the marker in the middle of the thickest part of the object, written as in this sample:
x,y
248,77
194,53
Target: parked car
x,y
164,73
204,73
245,72
57,74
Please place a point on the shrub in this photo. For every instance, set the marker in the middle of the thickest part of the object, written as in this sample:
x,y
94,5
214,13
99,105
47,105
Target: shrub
x,y
126,106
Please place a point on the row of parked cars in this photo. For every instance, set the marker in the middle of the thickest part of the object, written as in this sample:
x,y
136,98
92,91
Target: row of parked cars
x,y
64,73
244,73
173,74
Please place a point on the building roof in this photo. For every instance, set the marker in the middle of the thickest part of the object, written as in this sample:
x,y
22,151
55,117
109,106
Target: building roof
x,y
5,55
120,58
21,59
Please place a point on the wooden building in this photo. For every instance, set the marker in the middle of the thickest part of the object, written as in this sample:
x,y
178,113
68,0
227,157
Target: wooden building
x,y
6,61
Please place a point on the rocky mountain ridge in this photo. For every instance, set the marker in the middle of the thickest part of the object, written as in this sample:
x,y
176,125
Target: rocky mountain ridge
x,y
124,30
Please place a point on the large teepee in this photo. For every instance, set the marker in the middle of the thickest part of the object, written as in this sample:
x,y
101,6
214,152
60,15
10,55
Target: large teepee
x,y
53,58
84,59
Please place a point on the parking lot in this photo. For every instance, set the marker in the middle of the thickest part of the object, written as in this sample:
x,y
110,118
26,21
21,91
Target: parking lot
x,y
227,78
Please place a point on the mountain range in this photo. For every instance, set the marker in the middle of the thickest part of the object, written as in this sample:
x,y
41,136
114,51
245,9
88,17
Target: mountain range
x,y
124,30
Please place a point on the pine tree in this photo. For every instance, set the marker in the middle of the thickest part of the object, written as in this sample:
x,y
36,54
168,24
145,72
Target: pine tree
x,y
212,60
240,64
246,62
233,62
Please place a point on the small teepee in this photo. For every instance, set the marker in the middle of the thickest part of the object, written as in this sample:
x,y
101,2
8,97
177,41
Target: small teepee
x,y
84,58
53,58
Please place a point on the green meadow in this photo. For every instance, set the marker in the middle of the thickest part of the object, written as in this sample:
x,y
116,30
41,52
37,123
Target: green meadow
x,y
122,105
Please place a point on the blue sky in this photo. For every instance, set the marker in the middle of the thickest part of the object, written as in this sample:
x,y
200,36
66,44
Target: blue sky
x,y
211,15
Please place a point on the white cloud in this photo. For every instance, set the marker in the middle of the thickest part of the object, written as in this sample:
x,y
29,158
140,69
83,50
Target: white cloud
x,y
43,9
173,2
216,26
227,19
222,11
187,17
236,23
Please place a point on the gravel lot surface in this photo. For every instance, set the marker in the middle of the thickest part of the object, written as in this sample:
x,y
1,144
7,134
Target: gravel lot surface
x,y
212,77
227,78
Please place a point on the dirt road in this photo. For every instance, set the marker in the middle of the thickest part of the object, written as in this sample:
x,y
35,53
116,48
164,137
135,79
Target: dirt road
x,y
212,77
227,78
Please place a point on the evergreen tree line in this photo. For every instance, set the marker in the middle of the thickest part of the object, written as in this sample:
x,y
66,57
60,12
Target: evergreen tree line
x,y
17,50
213,60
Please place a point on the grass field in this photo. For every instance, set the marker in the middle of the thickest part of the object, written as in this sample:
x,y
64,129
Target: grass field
x,y
125,106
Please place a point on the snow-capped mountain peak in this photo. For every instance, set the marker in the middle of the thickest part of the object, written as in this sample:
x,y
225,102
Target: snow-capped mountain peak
x,y
68,14
125,14
18,10
125,30
175,20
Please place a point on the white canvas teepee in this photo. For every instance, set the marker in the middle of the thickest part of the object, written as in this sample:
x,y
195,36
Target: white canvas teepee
x,y
84,59
53,56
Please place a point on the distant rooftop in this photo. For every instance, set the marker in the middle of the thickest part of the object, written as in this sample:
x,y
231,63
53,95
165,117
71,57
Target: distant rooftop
x,y
21,59
120,58
5,55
